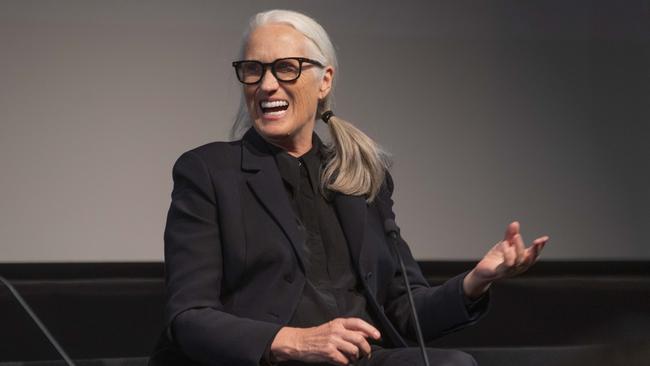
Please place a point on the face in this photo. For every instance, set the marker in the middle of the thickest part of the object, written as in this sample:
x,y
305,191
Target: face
x,y
291,122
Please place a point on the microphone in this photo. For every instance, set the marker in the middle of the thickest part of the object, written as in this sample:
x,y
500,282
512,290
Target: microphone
x,y
38,322
392,231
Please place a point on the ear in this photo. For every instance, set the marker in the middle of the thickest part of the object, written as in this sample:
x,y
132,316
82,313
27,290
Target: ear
x,y
326,83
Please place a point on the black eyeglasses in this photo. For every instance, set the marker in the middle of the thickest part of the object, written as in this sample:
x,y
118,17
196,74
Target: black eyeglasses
x,y
251,72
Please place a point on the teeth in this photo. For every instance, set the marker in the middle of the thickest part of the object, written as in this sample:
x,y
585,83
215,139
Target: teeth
x,y
277,113
273,104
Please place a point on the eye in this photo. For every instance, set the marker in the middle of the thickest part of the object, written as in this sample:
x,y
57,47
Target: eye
x,y
287,66
251,68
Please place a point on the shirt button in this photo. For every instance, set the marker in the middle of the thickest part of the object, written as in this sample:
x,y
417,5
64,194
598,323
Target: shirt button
x,y
289,278
368,276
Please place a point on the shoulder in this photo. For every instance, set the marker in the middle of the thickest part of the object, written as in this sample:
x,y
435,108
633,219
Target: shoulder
x,y
214,155
216,152
205,167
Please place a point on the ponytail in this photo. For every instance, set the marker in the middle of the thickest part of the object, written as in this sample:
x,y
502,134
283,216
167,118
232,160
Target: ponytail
x,y
356,165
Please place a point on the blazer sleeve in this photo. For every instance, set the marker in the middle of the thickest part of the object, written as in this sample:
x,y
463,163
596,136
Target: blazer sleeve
x,y
441,309
195,316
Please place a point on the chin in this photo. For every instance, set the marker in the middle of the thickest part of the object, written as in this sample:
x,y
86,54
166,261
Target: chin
x,y
272,129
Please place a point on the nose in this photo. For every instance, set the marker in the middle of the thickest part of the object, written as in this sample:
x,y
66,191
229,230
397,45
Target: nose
x,y
268,82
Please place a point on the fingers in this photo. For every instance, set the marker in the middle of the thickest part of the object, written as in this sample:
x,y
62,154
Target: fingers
x,y
351,337
514,238
361,326
542,240
348,350
361,347
337,357
341,341
520,249
516,257
532,253
358,340
509,254
511,231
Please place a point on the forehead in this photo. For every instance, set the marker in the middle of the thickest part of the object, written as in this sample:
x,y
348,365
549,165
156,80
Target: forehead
x,y
272,41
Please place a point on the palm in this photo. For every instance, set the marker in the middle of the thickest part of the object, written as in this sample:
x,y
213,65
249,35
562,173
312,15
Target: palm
x,y
510,256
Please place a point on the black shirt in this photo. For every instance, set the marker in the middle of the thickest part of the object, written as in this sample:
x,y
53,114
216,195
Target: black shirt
x,y
332,288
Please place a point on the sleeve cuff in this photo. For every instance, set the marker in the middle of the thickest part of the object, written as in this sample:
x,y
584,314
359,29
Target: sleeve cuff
x,y
474,307
267,359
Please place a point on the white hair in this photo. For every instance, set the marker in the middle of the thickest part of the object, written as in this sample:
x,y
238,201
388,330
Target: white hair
x,y
355,164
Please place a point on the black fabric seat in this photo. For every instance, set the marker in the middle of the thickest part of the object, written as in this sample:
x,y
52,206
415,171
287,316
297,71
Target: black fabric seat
x,y
558,314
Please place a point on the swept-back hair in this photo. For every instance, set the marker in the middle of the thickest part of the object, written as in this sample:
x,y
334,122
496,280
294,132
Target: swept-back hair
x,y
355,164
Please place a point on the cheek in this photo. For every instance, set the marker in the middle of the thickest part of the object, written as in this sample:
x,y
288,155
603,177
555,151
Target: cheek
x,y
305,101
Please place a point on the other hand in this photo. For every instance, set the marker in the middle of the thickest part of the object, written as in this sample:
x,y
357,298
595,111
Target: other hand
x,y
507,258
340,341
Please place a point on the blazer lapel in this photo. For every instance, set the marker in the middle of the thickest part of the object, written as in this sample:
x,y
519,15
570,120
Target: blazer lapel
x,y
267,186
351,211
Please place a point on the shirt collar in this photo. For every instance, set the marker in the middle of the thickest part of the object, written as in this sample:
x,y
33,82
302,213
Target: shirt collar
x,y
289,166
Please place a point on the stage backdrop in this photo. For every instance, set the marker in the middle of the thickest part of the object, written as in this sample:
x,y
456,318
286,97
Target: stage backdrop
x,y
493,111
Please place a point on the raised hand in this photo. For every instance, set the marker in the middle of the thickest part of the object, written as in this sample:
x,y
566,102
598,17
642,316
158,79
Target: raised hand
x,y
507,258
341,341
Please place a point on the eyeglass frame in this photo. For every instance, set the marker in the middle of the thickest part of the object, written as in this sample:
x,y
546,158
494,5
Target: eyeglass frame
x,y
271,65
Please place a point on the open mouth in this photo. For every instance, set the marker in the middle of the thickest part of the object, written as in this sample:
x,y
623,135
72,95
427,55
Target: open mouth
x,y
274,108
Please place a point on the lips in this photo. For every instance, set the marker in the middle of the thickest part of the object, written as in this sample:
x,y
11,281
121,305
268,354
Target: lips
x,y
273,109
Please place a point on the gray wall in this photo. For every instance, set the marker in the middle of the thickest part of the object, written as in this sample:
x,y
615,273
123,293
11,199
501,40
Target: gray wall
x,y
493,110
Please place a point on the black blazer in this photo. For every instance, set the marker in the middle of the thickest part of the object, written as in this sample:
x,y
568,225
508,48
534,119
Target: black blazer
x,y
234,261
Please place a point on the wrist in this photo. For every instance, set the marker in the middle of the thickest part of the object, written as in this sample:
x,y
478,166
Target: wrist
x,y
283,346
474,287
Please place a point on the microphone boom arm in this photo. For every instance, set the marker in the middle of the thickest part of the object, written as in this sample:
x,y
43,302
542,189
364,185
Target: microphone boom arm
x,y
36,320
393,232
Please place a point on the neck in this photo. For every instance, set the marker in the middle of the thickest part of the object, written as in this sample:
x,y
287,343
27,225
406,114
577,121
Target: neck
x,y
293,148
296,145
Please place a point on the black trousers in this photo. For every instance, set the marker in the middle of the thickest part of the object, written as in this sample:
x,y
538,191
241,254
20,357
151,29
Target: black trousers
x,y
413,357
406,357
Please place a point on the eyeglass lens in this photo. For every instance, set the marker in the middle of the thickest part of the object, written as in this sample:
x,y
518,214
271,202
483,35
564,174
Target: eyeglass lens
x,y
283,69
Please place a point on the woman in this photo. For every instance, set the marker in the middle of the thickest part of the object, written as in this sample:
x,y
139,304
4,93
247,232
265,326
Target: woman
x,y
275,248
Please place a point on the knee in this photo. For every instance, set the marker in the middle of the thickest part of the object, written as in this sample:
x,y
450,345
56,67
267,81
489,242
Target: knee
x,y
454,357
